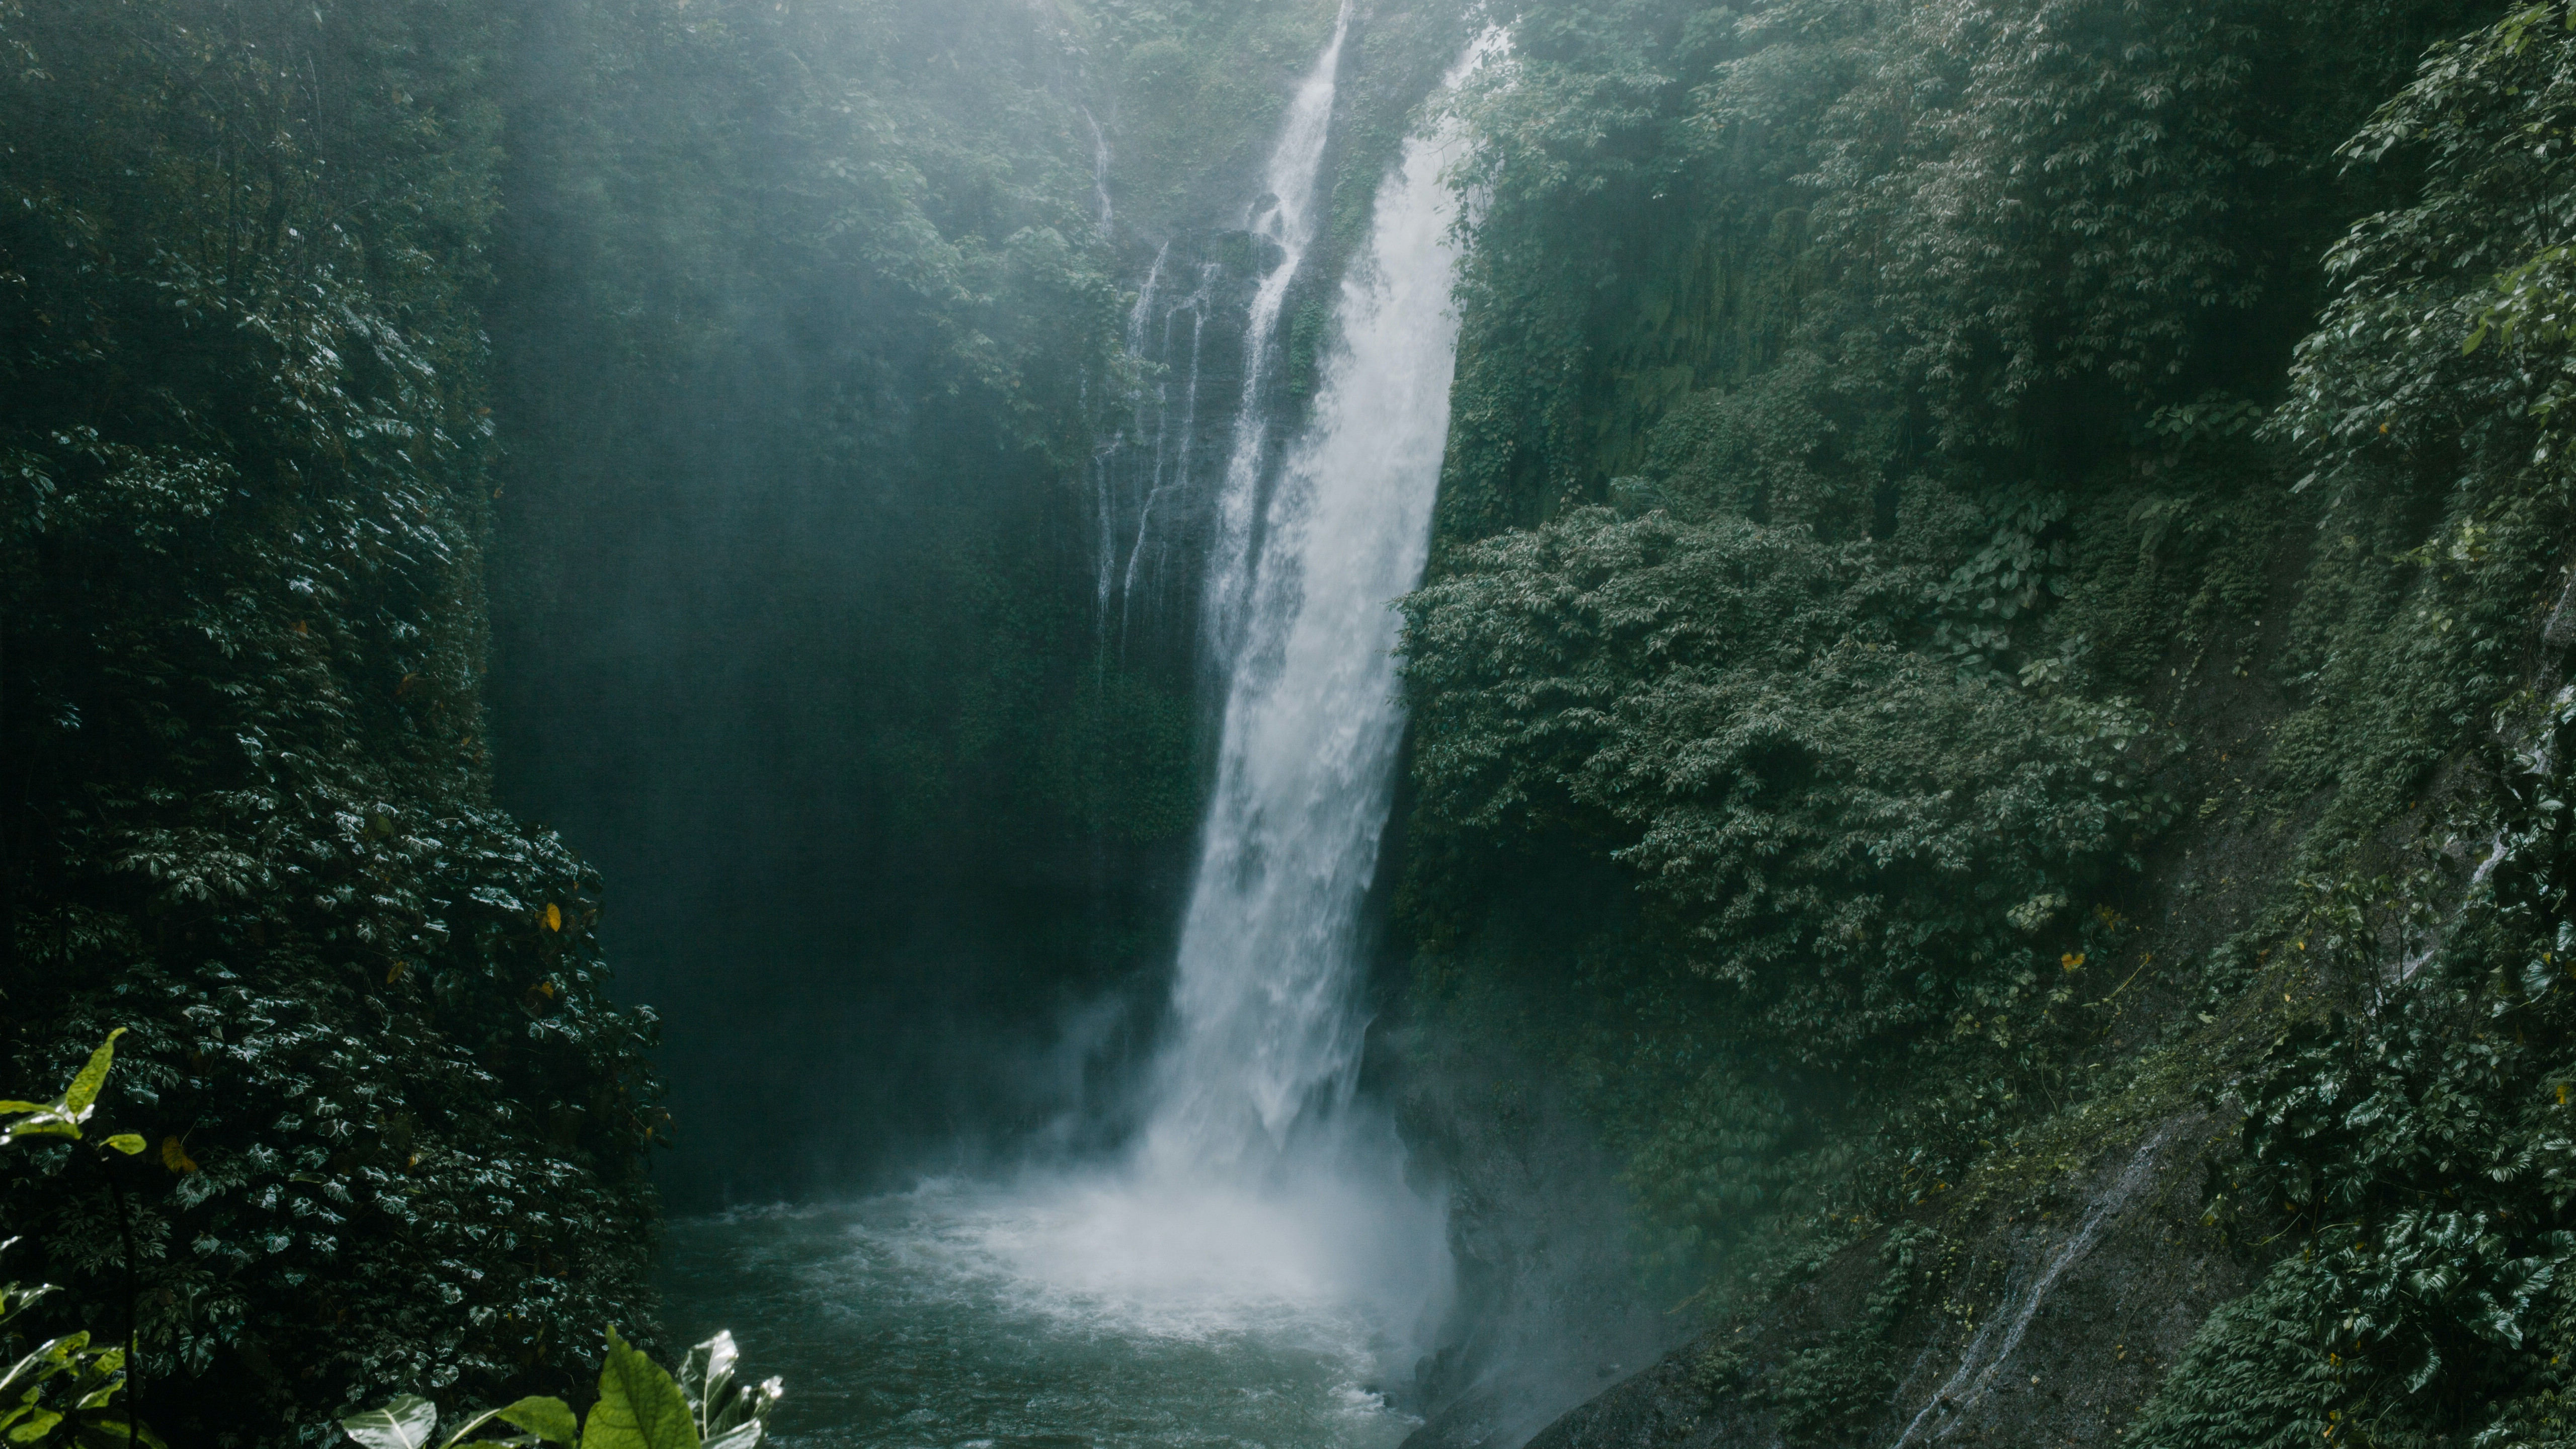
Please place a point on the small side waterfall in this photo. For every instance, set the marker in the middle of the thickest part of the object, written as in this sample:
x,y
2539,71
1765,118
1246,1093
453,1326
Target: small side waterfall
x,y
1283,214
1170,474
1100,172
1143,481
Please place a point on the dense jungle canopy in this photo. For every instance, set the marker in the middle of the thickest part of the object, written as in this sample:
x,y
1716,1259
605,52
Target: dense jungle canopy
x,y
1999,607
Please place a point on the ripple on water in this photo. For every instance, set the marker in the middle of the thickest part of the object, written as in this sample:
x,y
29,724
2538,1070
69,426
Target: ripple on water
x,y
1072,1319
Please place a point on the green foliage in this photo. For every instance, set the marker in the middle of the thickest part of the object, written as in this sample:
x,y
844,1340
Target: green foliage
x,y
399,1123
1876,230
1199,87
63,1384
63,1116
723,1410
406,1423
859,240
2418,1150
1925,356
1828,1392
640,1406
2411,1148
1838,824
2406,1150
2392,376
2269,1387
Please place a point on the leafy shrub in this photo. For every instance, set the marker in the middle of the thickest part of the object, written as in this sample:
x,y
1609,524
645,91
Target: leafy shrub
x,y
1840,824
64,1386
640,1406
399,1124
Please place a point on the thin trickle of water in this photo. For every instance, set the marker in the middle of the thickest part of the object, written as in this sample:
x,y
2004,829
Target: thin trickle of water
x,y
1099,169
2537,755
1987,1354
1132,507
1171,472
1144,307
1105,464
1284,214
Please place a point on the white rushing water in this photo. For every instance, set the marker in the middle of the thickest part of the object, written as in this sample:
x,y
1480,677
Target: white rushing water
x,y
1266,1027
1285,214
1259,1179
1261,1190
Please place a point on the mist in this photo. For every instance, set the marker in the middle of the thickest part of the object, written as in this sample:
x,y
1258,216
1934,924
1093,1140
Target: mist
x,y
1337,724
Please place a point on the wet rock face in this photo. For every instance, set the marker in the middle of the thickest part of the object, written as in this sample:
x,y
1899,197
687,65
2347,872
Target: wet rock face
x,y
2045,1326
1548,1311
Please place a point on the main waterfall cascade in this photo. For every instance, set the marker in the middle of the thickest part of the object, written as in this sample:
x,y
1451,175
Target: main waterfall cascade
x,y
1258,1175
1266,1032
1255,1267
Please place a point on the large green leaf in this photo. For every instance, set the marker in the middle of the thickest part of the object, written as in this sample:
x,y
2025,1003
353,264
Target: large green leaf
x,y
729,1415
84,1088
15,1298
44,1361
640,1406
406,1423
110,1429
47,1122
706,1378
550,1420
62,1116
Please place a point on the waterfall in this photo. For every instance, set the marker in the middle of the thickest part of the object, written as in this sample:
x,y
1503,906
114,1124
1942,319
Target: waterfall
x,y
1284,214
1260,1187
1100,172
1104,464
1266,1023
1145,504
1171,463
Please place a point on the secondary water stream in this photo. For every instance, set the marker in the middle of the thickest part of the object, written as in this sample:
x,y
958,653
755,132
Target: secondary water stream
x,y
1258,1268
